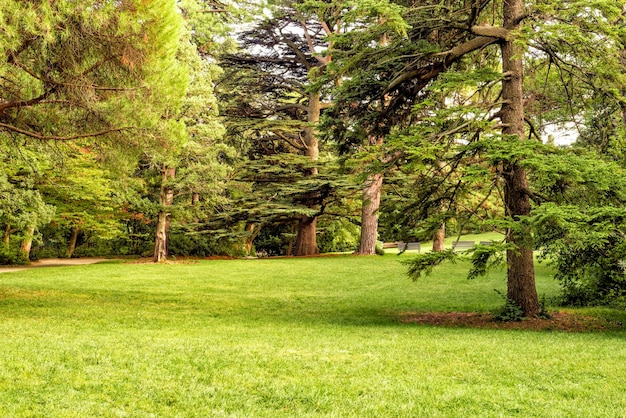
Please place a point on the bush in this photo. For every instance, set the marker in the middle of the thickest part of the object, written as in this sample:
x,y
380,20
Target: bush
x,y
338,235
203,245
11,255
588,252
274,240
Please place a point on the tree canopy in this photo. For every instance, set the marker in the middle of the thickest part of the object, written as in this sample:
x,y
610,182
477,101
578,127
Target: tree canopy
x,y
195,127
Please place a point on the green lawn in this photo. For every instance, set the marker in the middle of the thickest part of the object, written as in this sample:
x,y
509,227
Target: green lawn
x,y
477,238
287,337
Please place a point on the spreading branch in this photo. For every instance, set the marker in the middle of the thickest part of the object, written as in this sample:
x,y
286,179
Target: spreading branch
x,y
450,56
42,137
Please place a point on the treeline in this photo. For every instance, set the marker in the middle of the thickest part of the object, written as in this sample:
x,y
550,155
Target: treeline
x,y
164,128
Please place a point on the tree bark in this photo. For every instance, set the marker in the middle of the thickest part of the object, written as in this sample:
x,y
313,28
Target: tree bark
x,y
72,242
166,198
253,231
370,207
7,236
306,238
369,214
27,243
521,287
439,237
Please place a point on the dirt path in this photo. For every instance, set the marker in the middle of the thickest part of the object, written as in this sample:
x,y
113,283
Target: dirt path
x,y
53,262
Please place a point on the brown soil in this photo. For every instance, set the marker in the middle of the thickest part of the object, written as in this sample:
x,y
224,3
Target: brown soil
x,y
181,260
53,262
559,321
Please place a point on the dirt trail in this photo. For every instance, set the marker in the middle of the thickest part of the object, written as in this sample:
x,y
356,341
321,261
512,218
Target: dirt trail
x,y
53,262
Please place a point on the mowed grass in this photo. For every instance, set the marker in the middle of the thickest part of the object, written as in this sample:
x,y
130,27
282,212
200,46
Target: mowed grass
x,y
305,337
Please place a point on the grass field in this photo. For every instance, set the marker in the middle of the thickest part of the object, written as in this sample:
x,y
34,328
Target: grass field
x,y
303,337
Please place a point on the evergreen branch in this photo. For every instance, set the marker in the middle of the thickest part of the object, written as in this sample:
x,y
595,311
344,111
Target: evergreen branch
x,y
491,31
309,41
450,56
290,142
533,131
23,103
291,106
301,57
49,80
39,136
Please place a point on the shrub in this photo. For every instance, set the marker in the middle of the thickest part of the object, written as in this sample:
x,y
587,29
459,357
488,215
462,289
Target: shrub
x,y
338,235
588,251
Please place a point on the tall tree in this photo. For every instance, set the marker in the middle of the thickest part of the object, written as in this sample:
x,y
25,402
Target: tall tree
x,y
521,271
440,39
280,69
72,71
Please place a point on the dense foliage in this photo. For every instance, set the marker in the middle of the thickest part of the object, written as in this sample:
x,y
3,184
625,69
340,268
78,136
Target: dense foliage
x,y
195,128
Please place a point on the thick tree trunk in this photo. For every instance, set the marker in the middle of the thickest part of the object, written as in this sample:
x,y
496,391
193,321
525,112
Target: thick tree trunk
x,y
253,230
521,287
369,214
166,198
370,206
306,239
71,246
27,243
371,193
439,237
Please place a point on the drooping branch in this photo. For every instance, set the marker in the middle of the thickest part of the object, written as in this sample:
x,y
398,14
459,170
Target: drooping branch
x,y
309,40
50,81
41,137
24,103
288,140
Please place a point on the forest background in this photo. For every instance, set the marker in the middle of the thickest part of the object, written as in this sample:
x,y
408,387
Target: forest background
x,y
195,128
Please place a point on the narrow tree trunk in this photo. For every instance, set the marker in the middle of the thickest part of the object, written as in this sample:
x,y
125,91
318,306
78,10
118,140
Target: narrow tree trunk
x,y
253,231
292,240
369,214
166,198
27,243
439,237
521,287
195,200
306,238
72,243
622,105
6,239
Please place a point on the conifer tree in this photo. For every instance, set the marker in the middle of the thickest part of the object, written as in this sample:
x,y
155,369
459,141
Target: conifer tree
x,y
279,75
451,42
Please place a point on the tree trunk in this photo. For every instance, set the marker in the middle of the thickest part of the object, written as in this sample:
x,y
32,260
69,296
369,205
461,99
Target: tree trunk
x,y
27,243
521,287
72,243
6,239
370,206
369,214
253,231
439,237
306,239
372,191
195,200
166,198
